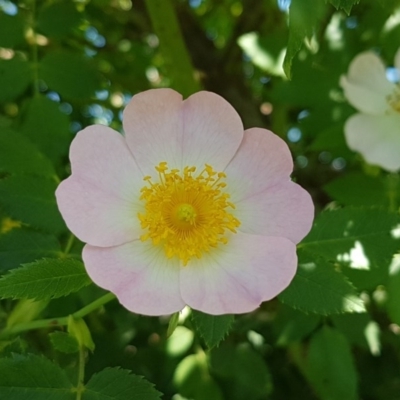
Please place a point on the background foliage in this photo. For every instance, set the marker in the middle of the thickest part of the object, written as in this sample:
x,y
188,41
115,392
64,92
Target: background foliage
x,y
334,334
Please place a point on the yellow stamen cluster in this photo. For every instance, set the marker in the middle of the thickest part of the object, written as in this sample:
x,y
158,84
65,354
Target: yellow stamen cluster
x,y
187,214
394,99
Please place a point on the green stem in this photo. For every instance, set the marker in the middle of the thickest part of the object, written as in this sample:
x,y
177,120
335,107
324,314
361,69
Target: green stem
x,y
69,244
34,46
80,387
54,322
177,60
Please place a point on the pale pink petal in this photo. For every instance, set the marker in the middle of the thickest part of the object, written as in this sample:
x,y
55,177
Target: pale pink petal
x,y
159,126
144,280
366,86
262,160
284,210
100,201
267,202
238,277
212,131
377,138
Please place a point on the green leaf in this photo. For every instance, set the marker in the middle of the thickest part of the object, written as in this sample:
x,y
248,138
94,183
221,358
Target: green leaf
x,y
18,155
44,279
371,191
46,126
33,378
22,245
244,369
31,199
64,342
318,288
330,366
193,379
69,74
58,19
304,16
346,5
172,324
393,292
252,378
11,30
373,230
15,77
293,326
119,384
212,328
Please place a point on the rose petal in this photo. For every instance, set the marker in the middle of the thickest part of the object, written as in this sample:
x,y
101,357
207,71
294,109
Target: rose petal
x,y
366,86
284,210
100,201
202,129
212,131
262,160
237,277
376,138
139,274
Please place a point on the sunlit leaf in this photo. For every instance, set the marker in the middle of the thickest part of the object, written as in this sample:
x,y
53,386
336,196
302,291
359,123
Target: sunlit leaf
x,y
336,232
318,288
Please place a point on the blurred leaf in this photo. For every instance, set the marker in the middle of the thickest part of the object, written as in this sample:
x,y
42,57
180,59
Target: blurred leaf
x,y
337,232
393,292
172,324
11,30
318,288
330,367
79,330
64,342
44,279
46,126
304,16
212,328
26,310
251,376
346,5
293,326
18,155
244,369
69,74
34,378
180,341
119,384
371,191
193,379
15,77
31,199
59,18
24,245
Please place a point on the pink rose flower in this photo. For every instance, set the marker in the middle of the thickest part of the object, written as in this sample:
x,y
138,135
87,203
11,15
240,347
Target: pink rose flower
x,y
374,132
185,208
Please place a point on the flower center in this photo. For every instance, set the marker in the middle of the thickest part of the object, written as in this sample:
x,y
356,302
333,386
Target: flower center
x,y
394,99
187,214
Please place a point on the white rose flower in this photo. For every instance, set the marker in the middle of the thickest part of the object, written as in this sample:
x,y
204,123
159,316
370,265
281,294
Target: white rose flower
x,y
375,130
